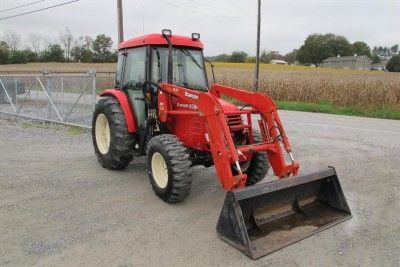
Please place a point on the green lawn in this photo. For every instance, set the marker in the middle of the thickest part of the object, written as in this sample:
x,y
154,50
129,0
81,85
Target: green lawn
x,y
381,113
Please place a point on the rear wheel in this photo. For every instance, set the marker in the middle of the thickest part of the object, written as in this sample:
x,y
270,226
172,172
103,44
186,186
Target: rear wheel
x,y
257,168
169,168
112,143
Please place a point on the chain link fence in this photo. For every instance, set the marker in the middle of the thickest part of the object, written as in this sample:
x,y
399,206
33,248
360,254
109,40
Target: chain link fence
x,y
68,99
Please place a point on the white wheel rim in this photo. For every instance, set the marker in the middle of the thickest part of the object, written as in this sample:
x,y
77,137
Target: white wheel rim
x,y
159,170
103,136
244,166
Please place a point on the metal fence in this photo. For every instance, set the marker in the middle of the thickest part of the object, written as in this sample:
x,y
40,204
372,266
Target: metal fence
x,y
68,99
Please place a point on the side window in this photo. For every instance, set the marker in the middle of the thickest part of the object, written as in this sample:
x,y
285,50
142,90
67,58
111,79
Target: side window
x,y
135,68
118,76
159,65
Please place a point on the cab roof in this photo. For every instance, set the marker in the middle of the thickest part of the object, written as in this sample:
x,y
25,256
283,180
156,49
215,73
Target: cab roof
x,y
158,39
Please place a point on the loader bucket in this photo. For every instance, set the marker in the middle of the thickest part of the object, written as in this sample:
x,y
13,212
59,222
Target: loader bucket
x,y
263,218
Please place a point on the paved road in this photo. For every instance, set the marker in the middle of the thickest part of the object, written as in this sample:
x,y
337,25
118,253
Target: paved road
x,y
59,207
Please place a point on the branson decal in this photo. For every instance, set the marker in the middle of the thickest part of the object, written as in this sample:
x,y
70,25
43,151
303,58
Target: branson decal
x,y
192,96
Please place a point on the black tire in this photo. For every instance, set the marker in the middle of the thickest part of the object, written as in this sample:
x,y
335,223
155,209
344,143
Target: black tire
x,y
120,151
176,157
259,164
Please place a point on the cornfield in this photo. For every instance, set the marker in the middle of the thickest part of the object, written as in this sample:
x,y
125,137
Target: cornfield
x,y
364,89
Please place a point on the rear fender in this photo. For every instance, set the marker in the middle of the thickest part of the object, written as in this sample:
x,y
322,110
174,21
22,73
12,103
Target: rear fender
x,y
125,106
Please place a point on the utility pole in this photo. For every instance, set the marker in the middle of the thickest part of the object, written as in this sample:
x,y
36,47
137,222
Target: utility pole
x,y
120,22
258,47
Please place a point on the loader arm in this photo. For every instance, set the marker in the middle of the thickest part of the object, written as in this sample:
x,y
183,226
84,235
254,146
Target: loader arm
x,y
222,147
271,128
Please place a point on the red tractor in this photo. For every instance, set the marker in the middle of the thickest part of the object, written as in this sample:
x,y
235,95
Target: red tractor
x,y
164,108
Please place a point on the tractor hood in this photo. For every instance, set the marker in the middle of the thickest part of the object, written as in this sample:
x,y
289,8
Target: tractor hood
x,y
228,107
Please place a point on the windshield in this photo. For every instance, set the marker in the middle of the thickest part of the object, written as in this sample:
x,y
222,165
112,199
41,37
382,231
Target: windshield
x,y
188,67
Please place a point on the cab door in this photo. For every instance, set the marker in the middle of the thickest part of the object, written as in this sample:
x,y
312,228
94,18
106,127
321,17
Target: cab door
x,y
133,78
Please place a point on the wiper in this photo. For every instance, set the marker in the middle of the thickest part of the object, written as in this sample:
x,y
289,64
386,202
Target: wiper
x,y
186,52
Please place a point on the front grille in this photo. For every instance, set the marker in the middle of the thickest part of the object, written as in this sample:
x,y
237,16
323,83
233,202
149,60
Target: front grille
x,y
234,120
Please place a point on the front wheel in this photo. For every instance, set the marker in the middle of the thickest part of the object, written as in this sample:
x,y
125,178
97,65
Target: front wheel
x,y
169,168
257,168
112,142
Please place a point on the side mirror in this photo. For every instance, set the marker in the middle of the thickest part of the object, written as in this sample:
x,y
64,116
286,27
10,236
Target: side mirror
x,y
212,68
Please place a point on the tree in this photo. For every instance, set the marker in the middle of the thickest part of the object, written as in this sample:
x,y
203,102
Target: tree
x,y
251,60
361,49
46,42
30,55
375,59
82,50
102,48
13,40
238,57
53,53
18,57
4,53
394,64
35,40
318,47
394,49
291,57
385,53
266,57
66,40
338,46
222,58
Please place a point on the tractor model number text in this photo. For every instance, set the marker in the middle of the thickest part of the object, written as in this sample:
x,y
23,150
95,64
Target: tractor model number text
x,y
185,105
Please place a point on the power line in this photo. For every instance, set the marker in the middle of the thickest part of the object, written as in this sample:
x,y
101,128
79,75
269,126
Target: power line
x,y
204,7
205,3
28,4
38,10
201,12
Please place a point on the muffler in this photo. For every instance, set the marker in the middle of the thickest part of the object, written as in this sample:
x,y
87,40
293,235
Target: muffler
x,y
263,218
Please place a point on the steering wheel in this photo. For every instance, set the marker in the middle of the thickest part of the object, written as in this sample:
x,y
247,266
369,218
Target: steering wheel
x,y
144,85
145,91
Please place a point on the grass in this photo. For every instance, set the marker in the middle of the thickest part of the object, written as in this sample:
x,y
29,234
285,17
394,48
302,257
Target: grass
x,y
71,130
39,125
381,113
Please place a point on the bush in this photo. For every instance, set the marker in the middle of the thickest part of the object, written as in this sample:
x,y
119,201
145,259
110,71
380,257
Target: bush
x,y
238,57
4,54
18,57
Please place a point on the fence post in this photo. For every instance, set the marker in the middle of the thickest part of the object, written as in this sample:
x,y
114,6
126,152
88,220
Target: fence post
x,y
62,97
94,88
16,90
48,89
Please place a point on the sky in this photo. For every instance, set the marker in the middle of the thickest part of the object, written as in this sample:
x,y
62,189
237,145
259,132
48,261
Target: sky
x,y
224,25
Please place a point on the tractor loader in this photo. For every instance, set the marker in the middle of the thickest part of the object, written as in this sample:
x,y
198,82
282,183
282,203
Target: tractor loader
x,y
163,107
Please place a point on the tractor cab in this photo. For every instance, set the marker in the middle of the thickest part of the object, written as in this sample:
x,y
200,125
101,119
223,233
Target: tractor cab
x,y
147,61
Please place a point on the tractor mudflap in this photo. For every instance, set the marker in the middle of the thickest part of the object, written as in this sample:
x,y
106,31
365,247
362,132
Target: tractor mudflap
x,y
263,218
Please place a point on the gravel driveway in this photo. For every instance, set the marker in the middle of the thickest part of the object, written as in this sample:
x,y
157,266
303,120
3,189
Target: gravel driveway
x,y
59,207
